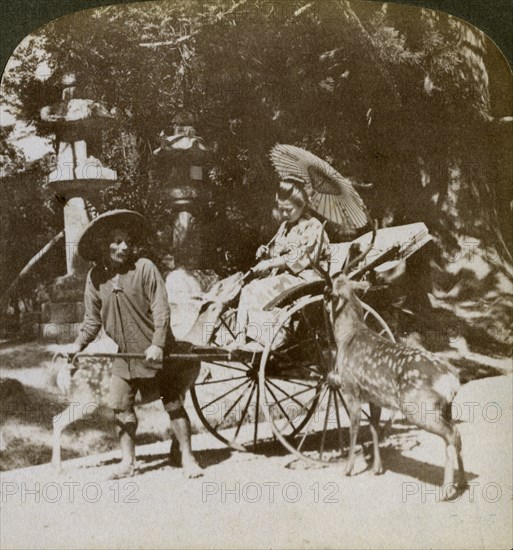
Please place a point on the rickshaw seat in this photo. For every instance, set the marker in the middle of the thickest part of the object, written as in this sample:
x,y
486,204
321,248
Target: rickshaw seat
x,y
402,241
406,239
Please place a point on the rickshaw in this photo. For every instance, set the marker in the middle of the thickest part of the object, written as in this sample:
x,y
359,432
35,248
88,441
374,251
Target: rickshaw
x,y
283,391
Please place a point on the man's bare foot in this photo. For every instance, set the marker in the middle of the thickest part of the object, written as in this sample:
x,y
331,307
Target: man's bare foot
x,y
191,468
123,470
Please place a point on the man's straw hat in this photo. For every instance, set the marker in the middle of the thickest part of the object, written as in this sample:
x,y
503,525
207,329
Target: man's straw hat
x,y
89,244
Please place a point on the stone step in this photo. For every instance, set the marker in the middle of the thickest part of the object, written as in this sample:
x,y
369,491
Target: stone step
x,y
28,324
68,281
60,294
67,289
9,326
63,312
30,317
57,333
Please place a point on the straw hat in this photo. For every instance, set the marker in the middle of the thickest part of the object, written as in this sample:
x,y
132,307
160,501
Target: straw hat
x,y
89,244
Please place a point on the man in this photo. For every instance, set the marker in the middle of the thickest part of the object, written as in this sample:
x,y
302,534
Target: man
x,y
126,295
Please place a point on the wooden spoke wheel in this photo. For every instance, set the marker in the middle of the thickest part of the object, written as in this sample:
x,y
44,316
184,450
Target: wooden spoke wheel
x,y
304,407
227,394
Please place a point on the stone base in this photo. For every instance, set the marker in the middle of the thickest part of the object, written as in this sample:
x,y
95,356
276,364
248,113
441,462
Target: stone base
x,y
62,312
67,289
62,315
28,324
57,333
9,327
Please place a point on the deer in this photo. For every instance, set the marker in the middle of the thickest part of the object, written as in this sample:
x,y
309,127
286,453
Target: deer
x,y
369,368
86,387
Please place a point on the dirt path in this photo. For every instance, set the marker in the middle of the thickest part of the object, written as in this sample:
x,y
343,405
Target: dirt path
x,y
249,501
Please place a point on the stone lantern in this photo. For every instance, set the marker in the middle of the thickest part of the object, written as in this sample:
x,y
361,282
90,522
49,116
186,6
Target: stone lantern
x,y
78,176
181,168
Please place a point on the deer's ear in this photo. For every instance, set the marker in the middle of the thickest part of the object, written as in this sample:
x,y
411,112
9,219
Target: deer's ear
x,y
361,285
340,284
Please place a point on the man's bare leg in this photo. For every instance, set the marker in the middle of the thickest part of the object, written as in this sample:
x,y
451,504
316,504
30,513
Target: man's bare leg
x,y
181,427
127,426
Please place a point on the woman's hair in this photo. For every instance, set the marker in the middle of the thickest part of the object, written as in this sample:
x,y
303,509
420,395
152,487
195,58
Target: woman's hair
x,y
291,189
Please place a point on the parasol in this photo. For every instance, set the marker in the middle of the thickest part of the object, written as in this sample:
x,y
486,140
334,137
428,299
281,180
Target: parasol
x,y
331,194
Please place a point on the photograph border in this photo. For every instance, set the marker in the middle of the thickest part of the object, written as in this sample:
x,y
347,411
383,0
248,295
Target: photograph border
x,y
22,17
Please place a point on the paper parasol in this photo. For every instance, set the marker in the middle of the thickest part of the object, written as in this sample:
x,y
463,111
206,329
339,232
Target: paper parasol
x,y
331,194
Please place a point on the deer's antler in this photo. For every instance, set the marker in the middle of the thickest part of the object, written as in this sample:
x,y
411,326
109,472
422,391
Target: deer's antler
x,y
315,263
361,256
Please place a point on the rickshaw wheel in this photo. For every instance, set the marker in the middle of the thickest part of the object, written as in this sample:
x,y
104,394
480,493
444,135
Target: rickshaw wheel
x,y
300,404
227,396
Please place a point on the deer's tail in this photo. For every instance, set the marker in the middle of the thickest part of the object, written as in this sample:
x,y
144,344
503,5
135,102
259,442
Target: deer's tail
x,y
447,386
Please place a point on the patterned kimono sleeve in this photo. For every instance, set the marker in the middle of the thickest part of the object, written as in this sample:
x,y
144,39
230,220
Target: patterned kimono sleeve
x,y
92,323
303,245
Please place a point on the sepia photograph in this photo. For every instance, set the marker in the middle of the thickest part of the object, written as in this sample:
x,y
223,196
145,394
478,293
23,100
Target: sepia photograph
x,y
256,276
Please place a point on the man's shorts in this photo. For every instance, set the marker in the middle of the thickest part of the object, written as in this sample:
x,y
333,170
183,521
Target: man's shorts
x,y
169,384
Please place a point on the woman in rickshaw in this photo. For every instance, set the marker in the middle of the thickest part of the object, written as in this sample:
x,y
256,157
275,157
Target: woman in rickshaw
x,y
283,263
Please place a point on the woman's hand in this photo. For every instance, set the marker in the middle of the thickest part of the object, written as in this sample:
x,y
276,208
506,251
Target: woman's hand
x,y
262,252
262,268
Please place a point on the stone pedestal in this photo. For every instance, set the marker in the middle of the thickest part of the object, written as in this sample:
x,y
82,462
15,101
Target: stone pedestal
x,y
63,314
75,220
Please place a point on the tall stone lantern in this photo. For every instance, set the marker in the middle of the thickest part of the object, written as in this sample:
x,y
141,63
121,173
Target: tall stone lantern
x,y
181,169
78,174
77,123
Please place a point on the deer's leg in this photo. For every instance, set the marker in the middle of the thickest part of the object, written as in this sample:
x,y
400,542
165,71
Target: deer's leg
x,y
451,455
462,478
355,411
71,414
60,421
375,414
431,414
175,453
456,441
384,433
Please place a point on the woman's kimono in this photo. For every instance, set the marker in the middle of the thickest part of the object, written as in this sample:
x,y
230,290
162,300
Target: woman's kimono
x,y
297,244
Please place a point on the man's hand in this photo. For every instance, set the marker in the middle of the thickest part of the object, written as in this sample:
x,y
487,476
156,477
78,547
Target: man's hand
x,y
71,350
154,354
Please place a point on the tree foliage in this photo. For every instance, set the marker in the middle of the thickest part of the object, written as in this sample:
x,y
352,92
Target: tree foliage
x,y
29,218
389,95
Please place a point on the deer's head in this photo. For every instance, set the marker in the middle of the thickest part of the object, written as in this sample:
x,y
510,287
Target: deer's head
x,y
339,289
344,297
